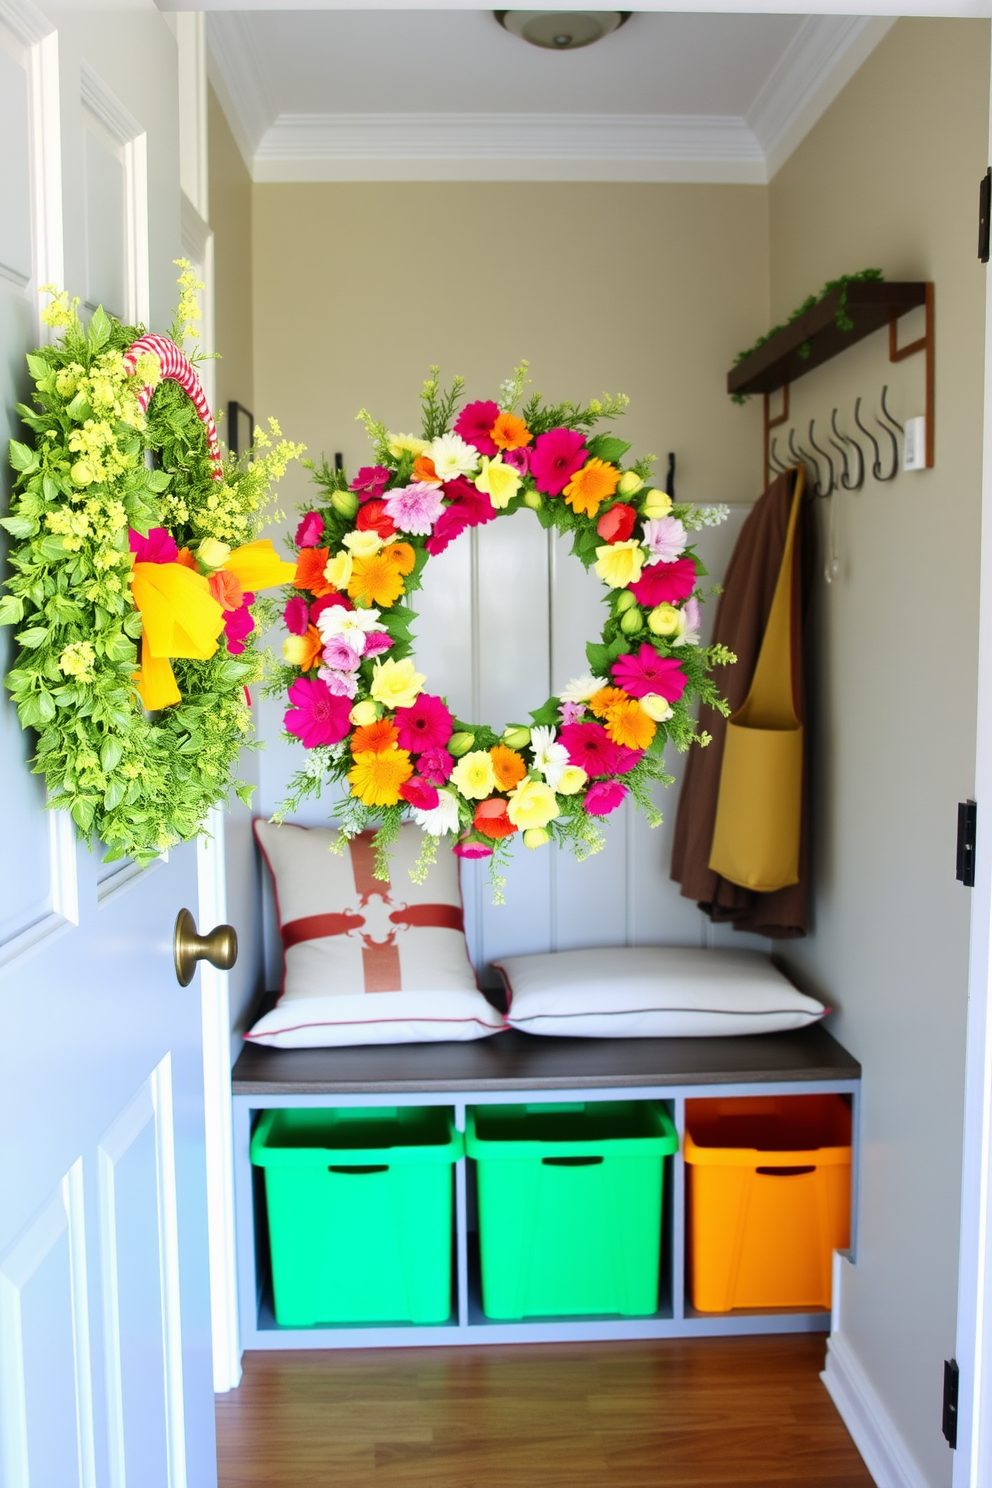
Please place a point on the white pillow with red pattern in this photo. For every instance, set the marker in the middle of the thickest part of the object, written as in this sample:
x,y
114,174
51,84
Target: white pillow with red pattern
x,y
367,961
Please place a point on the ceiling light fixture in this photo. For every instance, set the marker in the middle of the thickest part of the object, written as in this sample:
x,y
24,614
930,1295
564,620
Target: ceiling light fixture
x,y
561,30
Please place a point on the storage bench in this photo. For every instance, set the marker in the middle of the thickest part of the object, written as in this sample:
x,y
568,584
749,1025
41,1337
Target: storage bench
x,y
514,1068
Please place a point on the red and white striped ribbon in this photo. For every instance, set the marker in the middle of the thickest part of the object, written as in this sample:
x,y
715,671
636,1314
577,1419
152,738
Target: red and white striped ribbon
x,y
177,367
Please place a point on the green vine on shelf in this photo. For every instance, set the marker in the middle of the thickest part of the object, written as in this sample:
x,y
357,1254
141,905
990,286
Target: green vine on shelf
x,y
843,320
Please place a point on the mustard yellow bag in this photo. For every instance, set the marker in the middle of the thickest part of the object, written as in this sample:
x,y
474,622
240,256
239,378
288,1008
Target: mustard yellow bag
x,y
759,805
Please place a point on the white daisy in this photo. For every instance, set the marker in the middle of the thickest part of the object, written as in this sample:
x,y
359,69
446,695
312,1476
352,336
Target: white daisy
x,y
441,818
351,625
550,758
452,456
581,689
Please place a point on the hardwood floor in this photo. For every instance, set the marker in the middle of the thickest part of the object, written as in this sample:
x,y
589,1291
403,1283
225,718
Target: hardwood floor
x,y
675,1414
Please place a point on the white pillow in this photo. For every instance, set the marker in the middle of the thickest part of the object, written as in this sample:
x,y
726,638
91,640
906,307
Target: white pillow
x,y
367,961
652,992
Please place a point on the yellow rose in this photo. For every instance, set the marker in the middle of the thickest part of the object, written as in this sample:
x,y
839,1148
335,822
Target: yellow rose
x,y
532,804
666,620
363,713
212,553
497,481
656,504
630,484
396,684
474,775
399,444
536,837
361,544
620,563
294,649
571,780
656,707
337,570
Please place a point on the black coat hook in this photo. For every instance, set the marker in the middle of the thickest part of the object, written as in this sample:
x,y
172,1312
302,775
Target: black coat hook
x,y
830,465
889,427
774,463
845,477
670,477
876,465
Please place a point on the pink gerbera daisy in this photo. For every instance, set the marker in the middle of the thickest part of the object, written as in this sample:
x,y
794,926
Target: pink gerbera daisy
x,y
326,602
665,583
450,524
426,724
317,716
377,641
590,747
474,424
557,455
420,793
648,672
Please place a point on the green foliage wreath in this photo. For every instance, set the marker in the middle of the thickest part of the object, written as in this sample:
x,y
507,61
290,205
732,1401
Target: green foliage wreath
x,y
96,472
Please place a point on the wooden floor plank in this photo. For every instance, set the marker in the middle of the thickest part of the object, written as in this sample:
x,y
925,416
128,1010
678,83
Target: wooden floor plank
x,y
686,1413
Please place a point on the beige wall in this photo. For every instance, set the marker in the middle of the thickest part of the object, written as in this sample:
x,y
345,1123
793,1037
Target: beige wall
x,y
889,178
644,289
230,219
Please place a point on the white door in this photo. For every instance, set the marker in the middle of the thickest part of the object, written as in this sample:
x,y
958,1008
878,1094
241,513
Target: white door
x,y
105,1358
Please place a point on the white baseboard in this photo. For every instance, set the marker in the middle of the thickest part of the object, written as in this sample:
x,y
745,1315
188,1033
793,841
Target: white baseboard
x,y
869,1423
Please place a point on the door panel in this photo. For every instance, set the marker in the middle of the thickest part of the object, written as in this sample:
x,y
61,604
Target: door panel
x,y
105,1361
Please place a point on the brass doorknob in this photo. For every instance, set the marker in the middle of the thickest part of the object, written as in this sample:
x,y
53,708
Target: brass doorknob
x,y
220,947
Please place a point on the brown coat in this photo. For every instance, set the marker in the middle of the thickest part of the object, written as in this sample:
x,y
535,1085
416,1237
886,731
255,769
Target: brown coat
x,y
740,623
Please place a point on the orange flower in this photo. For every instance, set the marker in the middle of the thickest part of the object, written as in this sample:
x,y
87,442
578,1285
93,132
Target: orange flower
x,y
226,590
402,555
602,702
423,470
590,486
508,766
376,580
185,557
491,819
373,738
376,778
627,723
309,574
510,432
314,642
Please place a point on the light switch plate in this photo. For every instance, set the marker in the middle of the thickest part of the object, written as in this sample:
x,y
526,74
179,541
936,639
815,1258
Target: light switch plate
x,y
915,448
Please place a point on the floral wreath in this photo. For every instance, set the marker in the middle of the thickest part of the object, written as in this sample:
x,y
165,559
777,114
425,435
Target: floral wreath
x,y
358,703
107,553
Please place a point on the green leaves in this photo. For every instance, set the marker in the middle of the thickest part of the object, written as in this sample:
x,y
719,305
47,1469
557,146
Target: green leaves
x,y
34,637
11,609
20,527
607,447
99,328
22,457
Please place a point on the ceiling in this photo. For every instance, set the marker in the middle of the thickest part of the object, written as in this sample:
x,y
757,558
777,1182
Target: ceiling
x,y
448,94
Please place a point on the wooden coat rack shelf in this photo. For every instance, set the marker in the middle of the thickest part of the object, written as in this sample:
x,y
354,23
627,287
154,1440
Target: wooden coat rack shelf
x,y
815,337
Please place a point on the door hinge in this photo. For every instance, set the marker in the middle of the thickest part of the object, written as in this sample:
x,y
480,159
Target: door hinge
x,y
967,829
950,1415
984,215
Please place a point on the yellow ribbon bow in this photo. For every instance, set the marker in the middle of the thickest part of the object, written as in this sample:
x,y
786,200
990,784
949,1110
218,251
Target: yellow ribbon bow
x,y
180,617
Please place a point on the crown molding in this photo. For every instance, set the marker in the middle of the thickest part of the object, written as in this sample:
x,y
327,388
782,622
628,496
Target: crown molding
x,y
820,60
475,146
237,73
822,57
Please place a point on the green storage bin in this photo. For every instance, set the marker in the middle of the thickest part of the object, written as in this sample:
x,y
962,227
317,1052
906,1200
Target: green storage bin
x,y
570,1202
359,1203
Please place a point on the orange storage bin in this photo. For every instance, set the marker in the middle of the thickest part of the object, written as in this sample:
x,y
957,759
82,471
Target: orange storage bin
x,y
769,1199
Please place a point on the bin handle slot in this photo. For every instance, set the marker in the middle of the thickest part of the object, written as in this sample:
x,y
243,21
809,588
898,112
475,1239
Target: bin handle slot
x,y
786,1172
359,1168
570,1162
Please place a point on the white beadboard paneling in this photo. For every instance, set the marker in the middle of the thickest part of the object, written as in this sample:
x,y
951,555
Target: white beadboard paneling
x,y
443,634
513,609
15,172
